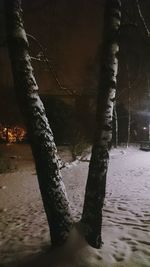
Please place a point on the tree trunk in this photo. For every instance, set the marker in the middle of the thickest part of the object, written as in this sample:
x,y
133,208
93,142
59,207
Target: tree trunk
x,y
44,150
129,107
96,182
116,125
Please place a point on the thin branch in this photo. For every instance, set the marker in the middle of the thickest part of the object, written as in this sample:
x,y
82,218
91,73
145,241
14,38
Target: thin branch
x,y
50,67
37,59
132,85
128,24
142,18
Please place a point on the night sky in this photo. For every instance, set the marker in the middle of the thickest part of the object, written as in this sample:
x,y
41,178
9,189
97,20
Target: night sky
x,y
71,33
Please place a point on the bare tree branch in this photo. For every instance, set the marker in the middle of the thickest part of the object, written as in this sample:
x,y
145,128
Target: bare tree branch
x,y
128,24
142,18
49,66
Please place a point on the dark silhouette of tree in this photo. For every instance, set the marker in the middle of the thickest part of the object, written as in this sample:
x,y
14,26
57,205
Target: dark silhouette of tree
x,y
129,107
44,150
115,124
96,183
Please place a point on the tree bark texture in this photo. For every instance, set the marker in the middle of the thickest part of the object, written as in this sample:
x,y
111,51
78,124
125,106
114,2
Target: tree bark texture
x,y
116,125
44,150
129,108
96,182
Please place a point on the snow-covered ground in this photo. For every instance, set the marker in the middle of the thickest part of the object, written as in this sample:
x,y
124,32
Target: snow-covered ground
x,y
126,224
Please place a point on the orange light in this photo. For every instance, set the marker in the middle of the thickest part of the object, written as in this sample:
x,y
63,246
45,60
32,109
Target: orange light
x,y
12,134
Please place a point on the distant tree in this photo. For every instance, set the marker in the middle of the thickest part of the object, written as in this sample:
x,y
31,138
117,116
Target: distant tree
x,y
96,182
115,118
44,150
129,107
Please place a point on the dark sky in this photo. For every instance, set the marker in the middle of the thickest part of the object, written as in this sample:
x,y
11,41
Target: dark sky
x,y
71,32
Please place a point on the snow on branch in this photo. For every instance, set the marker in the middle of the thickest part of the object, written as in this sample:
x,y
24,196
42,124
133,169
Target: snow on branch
x,y
142,18
43,58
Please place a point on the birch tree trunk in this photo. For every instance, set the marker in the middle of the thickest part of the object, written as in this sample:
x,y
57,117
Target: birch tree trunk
x,y
129,107
96,182
116,124
44,150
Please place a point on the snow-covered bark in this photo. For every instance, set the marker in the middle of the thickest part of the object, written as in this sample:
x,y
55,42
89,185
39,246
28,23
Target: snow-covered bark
x,y
116,125
129,107
96,182
44,150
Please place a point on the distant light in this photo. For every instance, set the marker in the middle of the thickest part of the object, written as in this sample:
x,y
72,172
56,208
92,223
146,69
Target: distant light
x,y
144,128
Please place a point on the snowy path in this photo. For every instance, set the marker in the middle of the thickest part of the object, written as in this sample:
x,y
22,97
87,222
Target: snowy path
x,y
126,224
127,210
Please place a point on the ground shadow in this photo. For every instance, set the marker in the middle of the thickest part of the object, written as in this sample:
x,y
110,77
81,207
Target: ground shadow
x,y
74,253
